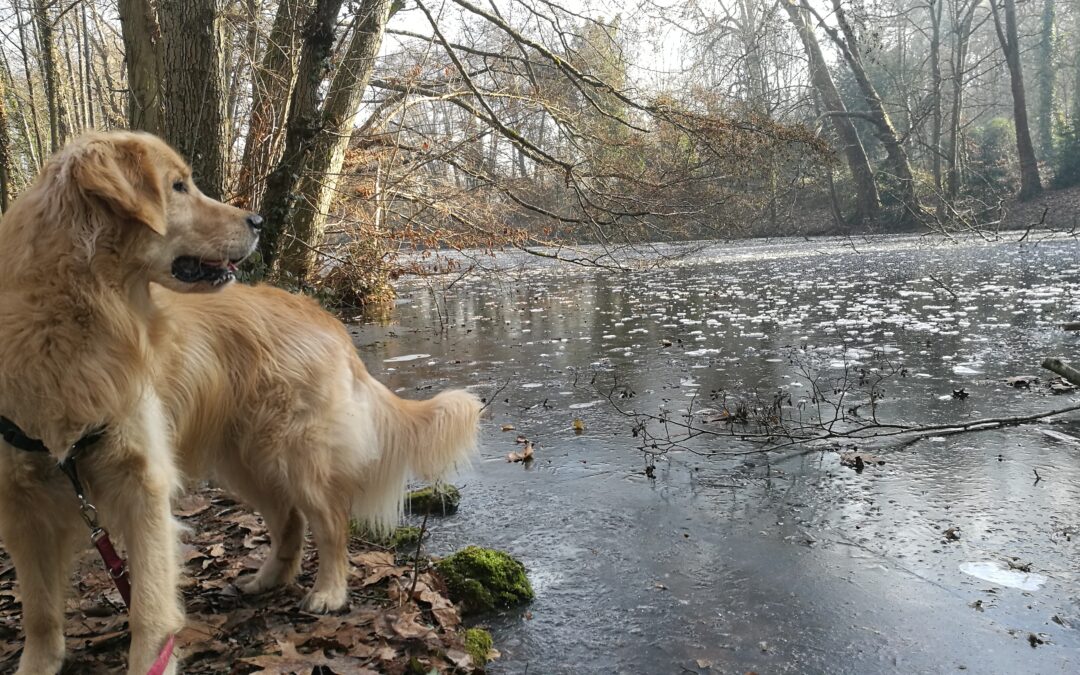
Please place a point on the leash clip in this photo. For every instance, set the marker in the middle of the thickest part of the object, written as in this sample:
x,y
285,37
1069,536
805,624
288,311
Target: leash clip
x,y
89,516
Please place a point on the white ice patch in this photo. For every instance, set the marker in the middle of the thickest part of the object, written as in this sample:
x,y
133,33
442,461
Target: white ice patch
x,y
581,406
1000,574
965,370
702,352
407,357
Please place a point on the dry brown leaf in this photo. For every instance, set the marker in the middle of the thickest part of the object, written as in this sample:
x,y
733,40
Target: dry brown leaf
x,y
525,456
292,662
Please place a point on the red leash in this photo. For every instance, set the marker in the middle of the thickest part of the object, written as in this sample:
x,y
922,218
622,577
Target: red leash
x,y
114,564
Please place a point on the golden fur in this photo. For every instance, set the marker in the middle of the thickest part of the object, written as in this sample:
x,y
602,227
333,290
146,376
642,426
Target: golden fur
x,y
253,387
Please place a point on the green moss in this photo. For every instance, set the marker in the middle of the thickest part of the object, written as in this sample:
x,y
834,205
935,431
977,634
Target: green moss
x,y
405,538
478,643
483,579
438,500
402,539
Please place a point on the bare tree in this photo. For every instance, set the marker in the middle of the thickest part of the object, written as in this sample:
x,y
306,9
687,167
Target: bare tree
x,y
867,201
318,186
1030,182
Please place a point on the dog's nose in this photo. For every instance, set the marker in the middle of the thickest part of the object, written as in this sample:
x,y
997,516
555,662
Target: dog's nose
x,y
255,222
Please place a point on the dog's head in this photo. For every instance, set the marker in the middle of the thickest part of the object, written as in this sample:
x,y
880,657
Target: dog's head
x,y
163,224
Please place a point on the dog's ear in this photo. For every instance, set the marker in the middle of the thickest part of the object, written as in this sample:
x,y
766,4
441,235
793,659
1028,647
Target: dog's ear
x,y
119,174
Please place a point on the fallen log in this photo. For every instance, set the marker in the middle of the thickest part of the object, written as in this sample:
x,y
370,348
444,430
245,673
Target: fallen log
x,y
1063,369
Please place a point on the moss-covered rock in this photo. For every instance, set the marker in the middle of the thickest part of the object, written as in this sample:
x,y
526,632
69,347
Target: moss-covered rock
x,y
437,500
405,538
401,539
483,579
478,643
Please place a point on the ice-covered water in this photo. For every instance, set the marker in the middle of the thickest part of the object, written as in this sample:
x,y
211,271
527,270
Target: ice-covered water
x,y
781,562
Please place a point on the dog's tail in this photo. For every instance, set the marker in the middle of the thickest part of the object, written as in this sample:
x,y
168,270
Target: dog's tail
x,y
426,439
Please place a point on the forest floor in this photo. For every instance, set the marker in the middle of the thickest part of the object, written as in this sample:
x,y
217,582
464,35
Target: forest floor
x,y
393,625
1057,209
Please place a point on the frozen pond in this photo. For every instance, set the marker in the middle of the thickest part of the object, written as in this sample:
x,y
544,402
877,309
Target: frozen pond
x,y
784,562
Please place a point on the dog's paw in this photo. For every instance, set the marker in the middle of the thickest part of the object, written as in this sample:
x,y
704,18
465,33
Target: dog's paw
x,y
40,666
252,585
324,602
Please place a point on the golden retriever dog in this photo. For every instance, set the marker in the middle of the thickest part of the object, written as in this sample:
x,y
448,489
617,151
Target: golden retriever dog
x,y
115,310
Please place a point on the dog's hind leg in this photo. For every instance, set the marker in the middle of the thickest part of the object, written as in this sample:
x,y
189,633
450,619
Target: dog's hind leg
x,y
41,536
286,526
330,526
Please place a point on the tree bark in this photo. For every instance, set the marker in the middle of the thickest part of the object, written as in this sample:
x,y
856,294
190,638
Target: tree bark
x,y
867,200
936,120
195,118
271,83
5,147
59,125
1047,72
318,185
145,68
24,51
1030,183
304,122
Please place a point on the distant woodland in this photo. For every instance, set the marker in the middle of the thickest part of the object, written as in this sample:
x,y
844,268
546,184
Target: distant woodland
x,y
362,129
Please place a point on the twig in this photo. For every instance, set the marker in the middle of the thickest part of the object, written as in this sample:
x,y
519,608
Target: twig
x,y
942,284
491,399
1037,476
416,560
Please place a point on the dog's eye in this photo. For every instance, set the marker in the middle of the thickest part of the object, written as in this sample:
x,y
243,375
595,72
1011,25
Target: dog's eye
x,y
179,186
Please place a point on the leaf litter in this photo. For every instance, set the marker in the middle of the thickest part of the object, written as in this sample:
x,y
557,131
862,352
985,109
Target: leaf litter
x,y
394,624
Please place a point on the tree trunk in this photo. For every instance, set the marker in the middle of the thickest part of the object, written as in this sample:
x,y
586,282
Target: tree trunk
x,y
59,125
271,84
5,147
318,186
145,68
867,201
1030,183
195,118
1047,71
301,130
935,103
886,133
962,33
24,50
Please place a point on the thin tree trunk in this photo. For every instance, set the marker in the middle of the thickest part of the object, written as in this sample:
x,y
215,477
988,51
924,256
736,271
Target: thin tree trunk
x,y
87,94
59,125
962,32
935,8
867,200
145,67
5,147
70,95
1030,183
319,184
1047,71
24,50
271,83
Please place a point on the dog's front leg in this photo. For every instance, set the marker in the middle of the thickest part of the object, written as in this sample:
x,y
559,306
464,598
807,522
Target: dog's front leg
x,y
138,510
133,483
40,528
